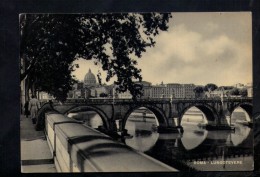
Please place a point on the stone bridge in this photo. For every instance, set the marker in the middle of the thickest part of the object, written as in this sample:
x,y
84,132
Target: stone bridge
x,y
216,111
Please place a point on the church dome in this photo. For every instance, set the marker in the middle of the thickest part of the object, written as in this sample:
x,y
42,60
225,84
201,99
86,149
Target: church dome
x,y
90,79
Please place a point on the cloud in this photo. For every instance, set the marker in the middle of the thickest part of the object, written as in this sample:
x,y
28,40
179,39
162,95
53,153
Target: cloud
x,y
186,56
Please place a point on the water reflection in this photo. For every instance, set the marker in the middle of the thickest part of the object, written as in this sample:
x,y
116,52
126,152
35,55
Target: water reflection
x,y
194,145
240,120
90,118
145,135
196,148
193,135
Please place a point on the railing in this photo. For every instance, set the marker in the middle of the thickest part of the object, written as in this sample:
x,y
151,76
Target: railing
x,y
239,99
152,100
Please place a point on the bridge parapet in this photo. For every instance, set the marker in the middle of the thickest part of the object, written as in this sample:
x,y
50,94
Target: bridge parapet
x,y
244,99
157,100
79,148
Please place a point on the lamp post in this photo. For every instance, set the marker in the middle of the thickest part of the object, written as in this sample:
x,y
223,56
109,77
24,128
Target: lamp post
x,y
113,95
172,96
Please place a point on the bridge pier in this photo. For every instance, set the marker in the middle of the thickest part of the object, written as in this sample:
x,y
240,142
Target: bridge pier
x,y
170,128
179,125
112,130
120,125
165,129
222,123
171,122
228,118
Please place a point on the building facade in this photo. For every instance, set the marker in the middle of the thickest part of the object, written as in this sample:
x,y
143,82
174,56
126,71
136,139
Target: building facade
x,y
172,90
90,79
188,90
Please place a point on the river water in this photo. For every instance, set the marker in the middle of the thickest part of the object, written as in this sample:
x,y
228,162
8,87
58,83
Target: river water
x,y
195,149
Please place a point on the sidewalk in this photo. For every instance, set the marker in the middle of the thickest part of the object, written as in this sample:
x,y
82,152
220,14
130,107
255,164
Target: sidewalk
x,y
35,153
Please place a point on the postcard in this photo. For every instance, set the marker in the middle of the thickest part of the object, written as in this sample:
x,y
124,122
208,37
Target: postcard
x,y
136,92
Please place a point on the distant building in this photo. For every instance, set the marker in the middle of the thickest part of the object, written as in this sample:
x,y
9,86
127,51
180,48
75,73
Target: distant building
x,y
189,90
85,89
180,90
90,88
124,95
80,93
239,86
101,90
109,89
171,90
90,79
158,91
215,94
174,90
250,91
218,93
146,91
79,85
249,87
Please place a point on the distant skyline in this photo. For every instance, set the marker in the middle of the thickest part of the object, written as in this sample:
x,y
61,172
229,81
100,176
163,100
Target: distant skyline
x,y
198,48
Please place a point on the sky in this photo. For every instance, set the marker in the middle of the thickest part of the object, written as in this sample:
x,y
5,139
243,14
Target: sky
x,y
198,48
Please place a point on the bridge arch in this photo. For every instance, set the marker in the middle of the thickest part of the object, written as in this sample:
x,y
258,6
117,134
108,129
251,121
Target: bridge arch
x,y
101,113
159,114
210,113
247,107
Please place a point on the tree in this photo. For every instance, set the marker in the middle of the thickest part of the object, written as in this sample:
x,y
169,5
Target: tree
x,y
198,91
51,42
225,88
210,87
234,91
243,92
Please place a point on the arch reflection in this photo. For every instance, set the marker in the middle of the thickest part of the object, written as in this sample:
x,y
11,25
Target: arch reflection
x,y
89,117
142,125
240,119
192,123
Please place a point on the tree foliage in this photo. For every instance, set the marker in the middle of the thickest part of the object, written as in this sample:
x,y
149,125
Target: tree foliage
x,y
225,88
198,91
234,91
51,42
210,87
243,92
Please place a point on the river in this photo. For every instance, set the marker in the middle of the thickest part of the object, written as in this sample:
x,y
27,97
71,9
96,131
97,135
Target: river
x,y
195,149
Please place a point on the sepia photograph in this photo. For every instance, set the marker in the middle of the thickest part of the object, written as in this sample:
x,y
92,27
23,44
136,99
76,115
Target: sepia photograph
x,y
136,92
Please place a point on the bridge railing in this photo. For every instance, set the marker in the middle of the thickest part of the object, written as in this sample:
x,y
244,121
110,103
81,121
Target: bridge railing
x,y
238,98
125,100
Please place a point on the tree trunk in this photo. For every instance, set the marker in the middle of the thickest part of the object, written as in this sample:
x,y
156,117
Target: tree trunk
x,y
26,90
33,89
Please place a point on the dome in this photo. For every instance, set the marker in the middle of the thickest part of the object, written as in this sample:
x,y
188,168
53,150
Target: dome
x,y
90,79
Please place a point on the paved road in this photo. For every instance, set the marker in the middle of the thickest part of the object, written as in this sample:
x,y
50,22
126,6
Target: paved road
x,y
35,154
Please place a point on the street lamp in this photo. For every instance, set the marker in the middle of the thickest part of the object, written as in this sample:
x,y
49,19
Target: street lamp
x,y
113,95
172,95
